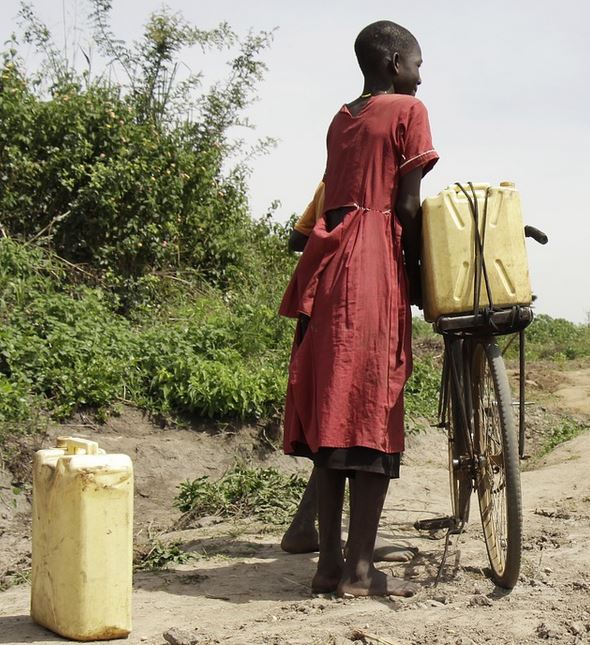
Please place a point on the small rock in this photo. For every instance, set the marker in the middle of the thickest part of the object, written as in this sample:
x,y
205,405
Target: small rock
x,y
209,520
547,570
577,629
435,603
445,600
480,601
395,602
464,640
534,583
547,631
177,636
477,589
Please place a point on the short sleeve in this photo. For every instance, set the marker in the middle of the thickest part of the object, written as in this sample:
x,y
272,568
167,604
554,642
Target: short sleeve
x,y
417,150
314,210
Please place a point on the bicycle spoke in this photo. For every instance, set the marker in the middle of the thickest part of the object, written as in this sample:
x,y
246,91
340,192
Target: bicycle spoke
x,y
497,463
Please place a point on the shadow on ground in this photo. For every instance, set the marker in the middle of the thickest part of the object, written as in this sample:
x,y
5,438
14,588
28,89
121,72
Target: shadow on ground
x,y
22,629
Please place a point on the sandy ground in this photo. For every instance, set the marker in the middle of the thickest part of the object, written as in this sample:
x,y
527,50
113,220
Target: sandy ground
x,y
242,589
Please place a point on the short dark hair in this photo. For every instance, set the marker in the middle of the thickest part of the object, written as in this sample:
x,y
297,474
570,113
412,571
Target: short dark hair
x,y
381,39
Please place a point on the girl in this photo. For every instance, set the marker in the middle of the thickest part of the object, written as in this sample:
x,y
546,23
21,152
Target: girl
x,y
352,291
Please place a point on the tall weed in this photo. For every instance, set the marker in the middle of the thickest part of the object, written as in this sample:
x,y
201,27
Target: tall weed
x,y
262,493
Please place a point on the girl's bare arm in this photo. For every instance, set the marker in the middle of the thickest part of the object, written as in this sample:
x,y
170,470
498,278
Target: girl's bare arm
x,y
407,209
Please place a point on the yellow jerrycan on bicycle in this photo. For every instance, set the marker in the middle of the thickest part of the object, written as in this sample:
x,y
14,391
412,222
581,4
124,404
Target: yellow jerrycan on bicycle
x,y
459,223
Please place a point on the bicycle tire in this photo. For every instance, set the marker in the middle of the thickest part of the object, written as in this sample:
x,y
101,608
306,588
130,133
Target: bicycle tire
x,y
496,461
460,477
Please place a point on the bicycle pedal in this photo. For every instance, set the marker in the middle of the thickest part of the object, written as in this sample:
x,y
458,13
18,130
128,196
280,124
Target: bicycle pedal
x,y
437,523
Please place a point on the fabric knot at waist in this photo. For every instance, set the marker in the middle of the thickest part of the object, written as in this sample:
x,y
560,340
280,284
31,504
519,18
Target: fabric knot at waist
x,y
369,208
334,216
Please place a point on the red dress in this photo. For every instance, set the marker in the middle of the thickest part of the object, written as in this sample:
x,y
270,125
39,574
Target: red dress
x,y
346,377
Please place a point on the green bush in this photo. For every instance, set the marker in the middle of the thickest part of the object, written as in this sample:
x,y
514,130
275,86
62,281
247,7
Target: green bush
x,y
158,555
421,392
135,178
567,429
261,493
173,375
421,328
66,347
556,338
63,348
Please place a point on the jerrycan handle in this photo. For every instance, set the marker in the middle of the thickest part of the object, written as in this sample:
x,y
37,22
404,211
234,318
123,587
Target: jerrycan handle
x,y
78,446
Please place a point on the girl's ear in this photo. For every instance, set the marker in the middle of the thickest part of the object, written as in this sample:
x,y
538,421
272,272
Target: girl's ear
x,y
395,61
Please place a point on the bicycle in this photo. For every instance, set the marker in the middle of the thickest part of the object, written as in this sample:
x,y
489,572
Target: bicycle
x,y
475,408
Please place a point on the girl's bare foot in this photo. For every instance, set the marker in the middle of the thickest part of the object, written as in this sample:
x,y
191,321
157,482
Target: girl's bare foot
x,y
301,539
386,552
326,578
377,583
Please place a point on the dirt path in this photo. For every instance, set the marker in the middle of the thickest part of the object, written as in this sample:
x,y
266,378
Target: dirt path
x,y
246,591
575,392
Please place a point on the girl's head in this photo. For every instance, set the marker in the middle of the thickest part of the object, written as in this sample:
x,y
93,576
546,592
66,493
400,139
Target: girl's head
x,y
386,50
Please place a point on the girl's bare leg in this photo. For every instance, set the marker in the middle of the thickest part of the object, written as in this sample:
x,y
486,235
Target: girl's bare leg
x,y
330,487
384,551
302,535
360,577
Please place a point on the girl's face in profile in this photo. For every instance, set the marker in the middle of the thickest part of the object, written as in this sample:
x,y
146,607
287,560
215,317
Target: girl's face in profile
x,y
408,72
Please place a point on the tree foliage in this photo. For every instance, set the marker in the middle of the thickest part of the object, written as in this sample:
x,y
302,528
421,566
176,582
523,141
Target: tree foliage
x,y
134,178
130,268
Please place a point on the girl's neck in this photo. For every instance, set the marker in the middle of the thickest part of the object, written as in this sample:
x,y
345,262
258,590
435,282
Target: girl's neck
x,y
374,87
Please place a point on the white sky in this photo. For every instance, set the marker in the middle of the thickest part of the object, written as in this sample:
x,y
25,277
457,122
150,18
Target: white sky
x,y
503,82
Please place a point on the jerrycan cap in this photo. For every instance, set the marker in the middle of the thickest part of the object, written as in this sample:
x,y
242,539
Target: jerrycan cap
x,y
507,184
78,446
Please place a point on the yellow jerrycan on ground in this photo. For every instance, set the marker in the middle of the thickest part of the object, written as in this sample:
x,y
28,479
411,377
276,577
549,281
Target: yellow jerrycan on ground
x,y
449,249
82,541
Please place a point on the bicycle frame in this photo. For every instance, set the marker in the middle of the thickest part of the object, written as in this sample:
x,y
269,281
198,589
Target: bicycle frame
x,y
483,449
492,323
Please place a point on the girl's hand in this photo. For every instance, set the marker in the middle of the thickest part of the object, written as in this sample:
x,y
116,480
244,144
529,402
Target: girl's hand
x,y
415,286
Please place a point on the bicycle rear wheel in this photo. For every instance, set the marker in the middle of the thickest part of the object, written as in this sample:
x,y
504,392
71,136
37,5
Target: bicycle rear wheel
x,y
460,476
497,464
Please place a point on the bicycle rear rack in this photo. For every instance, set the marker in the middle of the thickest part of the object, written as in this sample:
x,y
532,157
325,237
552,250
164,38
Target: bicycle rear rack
x,y
485,322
